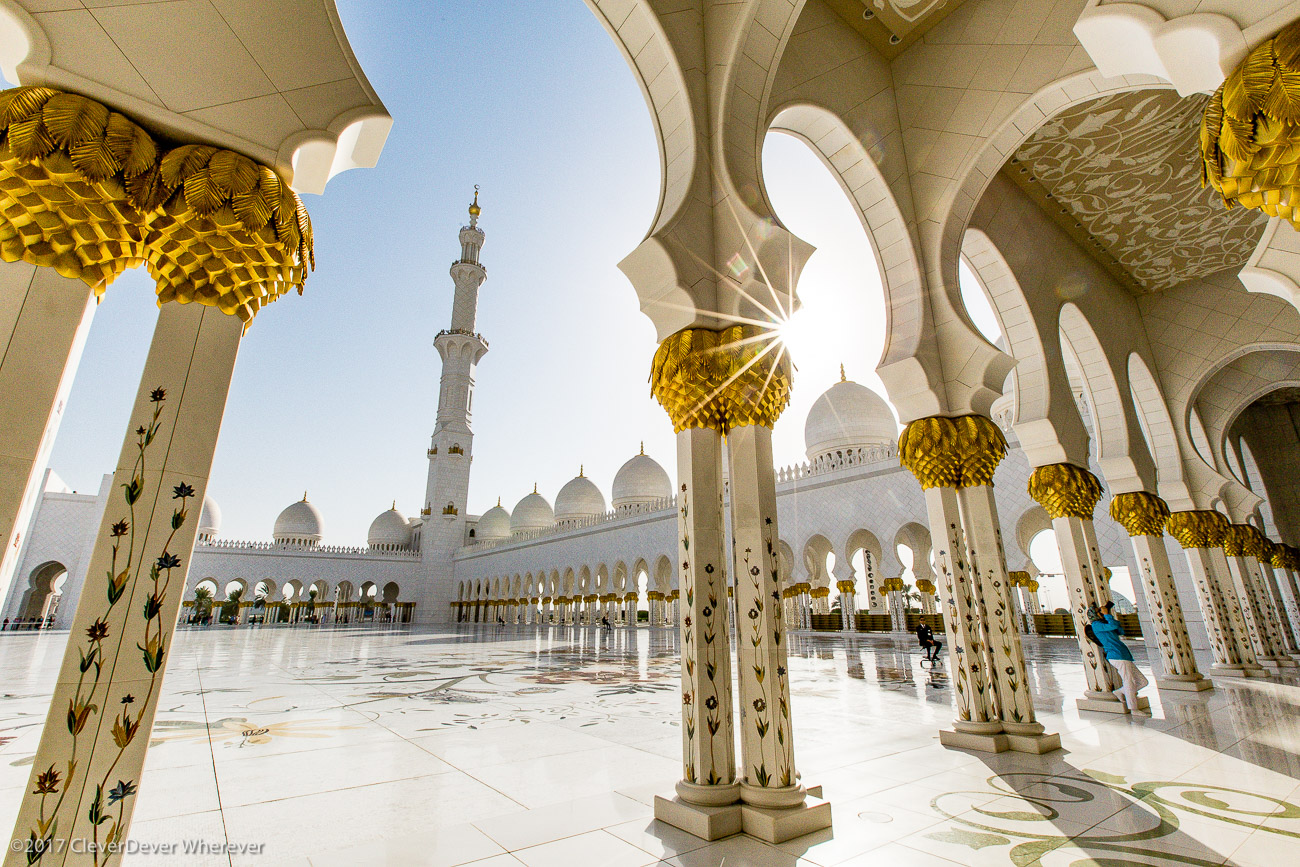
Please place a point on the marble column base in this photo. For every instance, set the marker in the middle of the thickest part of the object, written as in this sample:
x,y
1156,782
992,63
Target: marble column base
x,y
1279,663
770,824
1042,742
1217,670
778,824
1184,683
1109,705
707,823
991,742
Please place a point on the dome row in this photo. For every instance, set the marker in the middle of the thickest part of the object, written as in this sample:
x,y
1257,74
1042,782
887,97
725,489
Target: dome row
x,y
846,416
641,480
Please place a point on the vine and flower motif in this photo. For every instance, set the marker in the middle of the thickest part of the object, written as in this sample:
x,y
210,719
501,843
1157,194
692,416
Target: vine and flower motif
x,y
1158,806
90,691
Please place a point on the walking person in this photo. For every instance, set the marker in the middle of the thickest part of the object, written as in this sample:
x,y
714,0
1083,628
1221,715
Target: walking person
x,y
1105,626
925,635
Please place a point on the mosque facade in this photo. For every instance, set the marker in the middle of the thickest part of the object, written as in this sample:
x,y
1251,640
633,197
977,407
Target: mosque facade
x,y
844,514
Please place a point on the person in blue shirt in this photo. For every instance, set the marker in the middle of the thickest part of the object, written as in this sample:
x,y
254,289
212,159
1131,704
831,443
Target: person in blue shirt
x,y
1108,631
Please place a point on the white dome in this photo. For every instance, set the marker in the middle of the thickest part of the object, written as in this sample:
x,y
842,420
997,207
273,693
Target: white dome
x,y
209,518
300,523
532,513
641,480
389,530
580,498
848,416
495,524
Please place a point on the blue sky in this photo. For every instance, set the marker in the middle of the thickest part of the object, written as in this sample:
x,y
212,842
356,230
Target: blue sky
x,y
335,392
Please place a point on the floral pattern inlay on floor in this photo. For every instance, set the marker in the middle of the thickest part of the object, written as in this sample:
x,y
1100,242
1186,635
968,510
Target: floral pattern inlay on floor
x,y
360,746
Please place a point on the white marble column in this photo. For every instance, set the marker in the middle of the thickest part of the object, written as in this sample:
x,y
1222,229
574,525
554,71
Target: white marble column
x,y
1015,582
1070,493
88,765
709,776
926,588
1284,572
1077,540
1006,659
977,725
769,778
1200,533
1272,579
894,588
848,605
44,319
1240,547
1144,515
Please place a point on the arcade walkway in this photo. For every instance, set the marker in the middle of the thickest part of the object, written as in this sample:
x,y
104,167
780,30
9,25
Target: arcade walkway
x,y
506,746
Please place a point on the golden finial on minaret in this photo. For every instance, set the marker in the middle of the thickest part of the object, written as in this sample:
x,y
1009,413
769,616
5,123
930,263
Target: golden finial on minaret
x,y
394,506
581,470
498,502
474,209
304,496
534,487
843,378
642,446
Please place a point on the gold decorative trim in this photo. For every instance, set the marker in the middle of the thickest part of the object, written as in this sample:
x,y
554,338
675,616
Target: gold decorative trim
x,y
889,585
925,585
1251,130
1140,513
1242,540
1018,578
1065,490
955,452
844,586
820,592
1201,528
88,192
721,380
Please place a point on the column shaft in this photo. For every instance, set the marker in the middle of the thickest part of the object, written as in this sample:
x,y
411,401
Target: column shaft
x,y
988,567
1263,634
1268,579
1290,599
1222,578
44,319
1164,608
769,778
92,750
708,740
976,713
1077,541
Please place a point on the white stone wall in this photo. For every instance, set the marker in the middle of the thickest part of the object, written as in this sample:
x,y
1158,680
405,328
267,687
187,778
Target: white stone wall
x,y
62,530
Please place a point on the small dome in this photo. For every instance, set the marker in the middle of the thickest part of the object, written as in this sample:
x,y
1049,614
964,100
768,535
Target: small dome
x,y
532,513
578,499
209,518
641,480
848,416
389,530
299,523
495,524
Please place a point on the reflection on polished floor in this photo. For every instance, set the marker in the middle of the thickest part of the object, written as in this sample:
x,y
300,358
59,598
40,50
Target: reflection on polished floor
x,y
515,745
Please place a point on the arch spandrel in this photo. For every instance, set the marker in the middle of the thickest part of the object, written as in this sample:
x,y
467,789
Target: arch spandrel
x,y
242,73
1122,452
1158,429
1046,420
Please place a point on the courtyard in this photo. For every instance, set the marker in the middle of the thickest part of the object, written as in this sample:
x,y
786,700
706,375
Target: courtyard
x,y
496,746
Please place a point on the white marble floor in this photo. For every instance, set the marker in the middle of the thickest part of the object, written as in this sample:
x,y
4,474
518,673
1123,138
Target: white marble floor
x,y
513,745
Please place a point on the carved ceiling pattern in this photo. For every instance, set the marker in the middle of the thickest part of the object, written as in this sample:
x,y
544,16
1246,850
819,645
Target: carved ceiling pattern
x,y
1126,168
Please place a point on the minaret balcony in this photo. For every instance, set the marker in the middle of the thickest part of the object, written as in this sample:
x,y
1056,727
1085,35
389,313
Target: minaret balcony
x,y
463,333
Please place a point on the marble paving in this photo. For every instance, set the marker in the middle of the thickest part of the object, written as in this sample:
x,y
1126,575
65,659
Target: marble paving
x,y
498,746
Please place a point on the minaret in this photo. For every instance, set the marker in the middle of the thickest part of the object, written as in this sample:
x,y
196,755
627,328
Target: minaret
x,y
450,451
